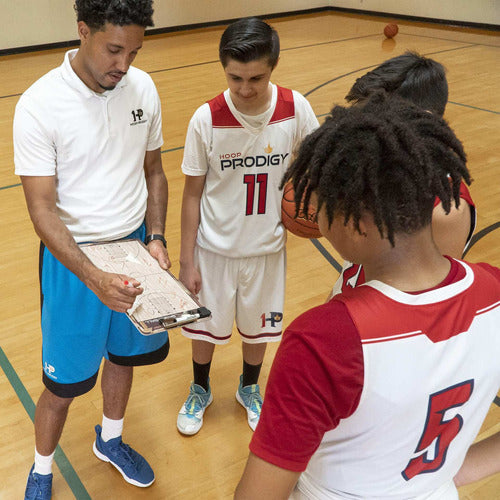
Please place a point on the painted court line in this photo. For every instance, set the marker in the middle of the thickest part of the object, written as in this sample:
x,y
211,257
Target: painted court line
x,y
60,458
326,254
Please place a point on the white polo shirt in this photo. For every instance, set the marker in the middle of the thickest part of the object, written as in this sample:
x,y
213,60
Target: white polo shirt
x,y
94,144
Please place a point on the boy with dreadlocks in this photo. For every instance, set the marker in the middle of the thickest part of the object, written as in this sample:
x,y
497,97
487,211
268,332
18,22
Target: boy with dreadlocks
x,y
380,392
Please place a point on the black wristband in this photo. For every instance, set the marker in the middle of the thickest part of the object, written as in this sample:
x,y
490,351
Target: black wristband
x,y
160,237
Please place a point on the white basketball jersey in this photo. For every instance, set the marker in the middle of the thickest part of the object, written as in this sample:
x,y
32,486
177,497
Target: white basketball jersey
x,y
431,371
240,211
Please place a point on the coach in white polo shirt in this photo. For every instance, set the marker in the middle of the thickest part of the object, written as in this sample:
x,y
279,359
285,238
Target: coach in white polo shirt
x,y
87,140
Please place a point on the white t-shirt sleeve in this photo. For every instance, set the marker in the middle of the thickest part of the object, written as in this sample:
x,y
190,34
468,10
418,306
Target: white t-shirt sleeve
x,y
198,142
34,148
306,119
155,139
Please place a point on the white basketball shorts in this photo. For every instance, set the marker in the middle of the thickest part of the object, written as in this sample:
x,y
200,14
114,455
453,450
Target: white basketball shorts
x,y
249,290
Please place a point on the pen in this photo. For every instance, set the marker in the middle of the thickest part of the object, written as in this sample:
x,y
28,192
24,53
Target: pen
x,y
127,283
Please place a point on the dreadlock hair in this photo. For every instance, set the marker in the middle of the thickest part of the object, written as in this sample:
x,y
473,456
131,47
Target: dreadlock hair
x,y
96,13
387,157
414,77
249,39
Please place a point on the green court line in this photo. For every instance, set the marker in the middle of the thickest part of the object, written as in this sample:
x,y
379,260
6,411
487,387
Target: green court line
x,y
60,458
474,107
11,186
172,149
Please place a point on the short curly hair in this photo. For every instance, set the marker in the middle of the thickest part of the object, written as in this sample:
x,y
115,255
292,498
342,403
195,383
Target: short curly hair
x,y
388,157
419,79
96,13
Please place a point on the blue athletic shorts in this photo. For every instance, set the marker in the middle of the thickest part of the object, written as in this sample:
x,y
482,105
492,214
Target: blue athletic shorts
x,y
78,330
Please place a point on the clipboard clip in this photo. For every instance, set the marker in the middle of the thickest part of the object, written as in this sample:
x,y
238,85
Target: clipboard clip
x,y
177,320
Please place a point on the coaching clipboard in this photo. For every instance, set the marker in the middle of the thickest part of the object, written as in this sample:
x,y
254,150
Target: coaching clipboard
x,y
165,302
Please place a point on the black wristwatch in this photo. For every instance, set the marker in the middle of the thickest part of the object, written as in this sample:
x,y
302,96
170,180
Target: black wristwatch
x,y
151,237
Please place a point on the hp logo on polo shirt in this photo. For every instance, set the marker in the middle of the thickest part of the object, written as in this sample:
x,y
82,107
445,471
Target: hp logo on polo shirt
x,y
137,115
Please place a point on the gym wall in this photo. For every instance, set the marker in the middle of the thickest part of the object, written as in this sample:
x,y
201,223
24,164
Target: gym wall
x,y
28,23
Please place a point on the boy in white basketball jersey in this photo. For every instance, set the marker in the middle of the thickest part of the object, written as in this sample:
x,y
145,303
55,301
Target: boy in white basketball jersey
x,y
379,393
238,147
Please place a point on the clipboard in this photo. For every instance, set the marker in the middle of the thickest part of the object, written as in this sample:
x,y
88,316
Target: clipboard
x,y
165,303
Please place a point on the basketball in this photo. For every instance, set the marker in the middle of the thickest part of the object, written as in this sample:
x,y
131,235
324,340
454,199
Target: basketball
x,y
391,30
304,225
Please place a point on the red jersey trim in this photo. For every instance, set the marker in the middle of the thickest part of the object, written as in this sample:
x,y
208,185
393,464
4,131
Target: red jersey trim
x,y
464,195
206,334
285,107
381,313
489,308
393,337
223,118
260,335
221,114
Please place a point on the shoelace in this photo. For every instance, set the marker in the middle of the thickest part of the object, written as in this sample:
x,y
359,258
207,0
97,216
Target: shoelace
x,y
124,449
255,402
40,488
194,404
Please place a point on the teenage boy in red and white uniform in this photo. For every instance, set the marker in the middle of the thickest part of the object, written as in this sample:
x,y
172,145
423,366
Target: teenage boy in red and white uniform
x,y
238,147
380,392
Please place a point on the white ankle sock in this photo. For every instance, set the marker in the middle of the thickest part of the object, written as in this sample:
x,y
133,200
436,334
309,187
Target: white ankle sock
x,y
111,428
43,464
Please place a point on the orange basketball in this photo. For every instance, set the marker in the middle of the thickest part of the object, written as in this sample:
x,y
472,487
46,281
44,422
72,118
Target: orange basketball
x,y
391,30
304,225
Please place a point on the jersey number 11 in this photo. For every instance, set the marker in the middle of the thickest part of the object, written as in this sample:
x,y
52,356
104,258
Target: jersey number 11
x,y
250,180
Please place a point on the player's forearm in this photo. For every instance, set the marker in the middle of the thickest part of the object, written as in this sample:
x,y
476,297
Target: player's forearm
x,y
482,460
61,244
264,481
190,218
156,211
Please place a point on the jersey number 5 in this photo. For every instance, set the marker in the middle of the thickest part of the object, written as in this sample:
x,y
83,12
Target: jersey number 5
x,y
250,180
438,432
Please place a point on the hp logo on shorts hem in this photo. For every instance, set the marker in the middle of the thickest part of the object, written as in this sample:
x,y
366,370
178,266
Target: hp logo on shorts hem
x,y
49,370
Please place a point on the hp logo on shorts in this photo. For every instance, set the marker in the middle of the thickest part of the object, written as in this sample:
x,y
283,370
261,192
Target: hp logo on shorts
x,y
49,369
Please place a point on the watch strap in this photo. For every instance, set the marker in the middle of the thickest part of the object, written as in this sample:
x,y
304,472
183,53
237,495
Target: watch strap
x,y
150,237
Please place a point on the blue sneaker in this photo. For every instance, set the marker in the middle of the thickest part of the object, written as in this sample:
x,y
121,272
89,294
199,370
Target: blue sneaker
x,y
249,397
190,418
132,466
39,486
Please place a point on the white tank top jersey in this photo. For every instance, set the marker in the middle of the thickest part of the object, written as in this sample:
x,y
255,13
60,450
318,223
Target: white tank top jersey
x,y
240,209
94,144
427,372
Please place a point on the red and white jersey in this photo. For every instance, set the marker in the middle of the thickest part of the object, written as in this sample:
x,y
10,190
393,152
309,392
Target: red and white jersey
x,y
353,274
240,210
392,415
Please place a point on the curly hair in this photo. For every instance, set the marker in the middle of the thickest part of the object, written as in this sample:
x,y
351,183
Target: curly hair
x,y
96,13
419,79
249,39
387,157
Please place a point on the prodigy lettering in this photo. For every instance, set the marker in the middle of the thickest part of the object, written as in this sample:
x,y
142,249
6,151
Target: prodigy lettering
x,y
235,160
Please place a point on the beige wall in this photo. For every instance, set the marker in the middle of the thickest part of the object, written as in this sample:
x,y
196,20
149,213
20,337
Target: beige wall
x,y
181,12
475,11
35,22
